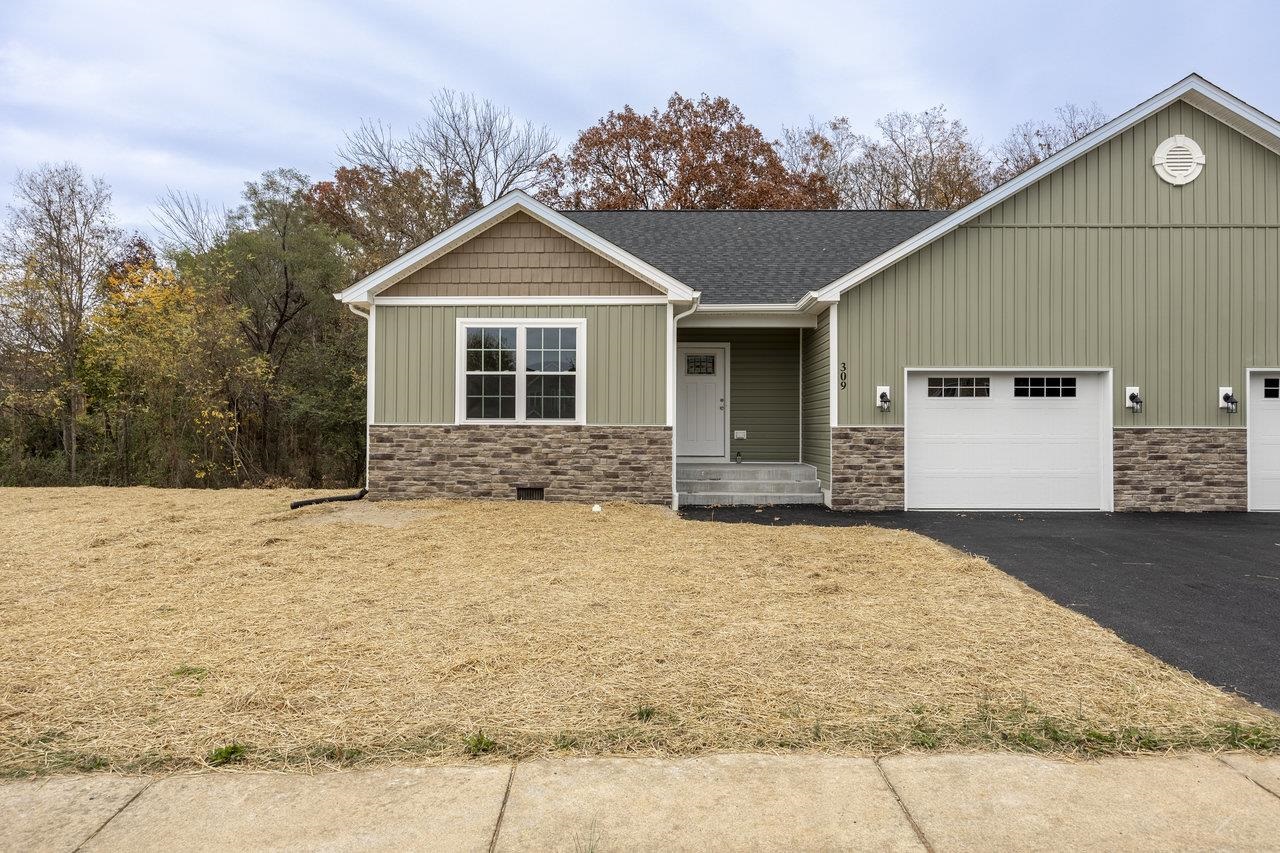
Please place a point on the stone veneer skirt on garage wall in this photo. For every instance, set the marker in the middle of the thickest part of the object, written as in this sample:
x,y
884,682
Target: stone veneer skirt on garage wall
x,y
867,468
1156,470
573,463
1181,470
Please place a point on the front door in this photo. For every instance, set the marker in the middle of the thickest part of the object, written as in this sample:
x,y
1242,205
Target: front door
x,y
701,407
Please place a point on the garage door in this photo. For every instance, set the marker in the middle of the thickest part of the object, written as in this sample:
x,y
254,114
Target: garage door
x,y
1003,440
1264,441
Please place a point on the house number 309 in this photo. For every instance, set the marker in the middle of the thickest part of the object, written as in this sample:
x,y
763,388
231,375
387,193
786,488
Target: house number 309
x,y
844,375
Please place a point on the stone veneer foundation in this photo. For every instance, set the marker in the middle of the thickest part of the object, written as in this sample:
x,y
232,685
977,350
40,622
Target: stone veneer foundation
x,y
1181,470
867,468
573,463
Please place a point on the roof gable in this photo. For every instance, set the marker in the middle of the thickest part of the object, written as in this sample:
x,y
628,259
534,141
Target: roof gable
x,y
363,291
1195,90
516,257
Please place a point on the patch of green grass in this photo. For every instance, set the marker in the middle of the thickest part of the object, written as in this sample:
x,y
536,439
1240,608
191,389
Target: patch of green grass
x,y
478,743
228,753
196,673
566,741
1256,738
644,713
924,737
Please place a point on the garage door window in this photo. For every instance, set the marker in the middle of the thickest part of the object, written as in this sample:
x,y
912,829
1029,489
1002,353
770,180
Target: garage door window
x,y
1271,388
1044,386
959,386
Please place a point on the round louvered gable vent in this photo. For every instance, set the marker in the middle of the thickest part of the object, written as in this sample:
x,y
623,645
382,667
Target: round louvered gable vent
x,y
1178,160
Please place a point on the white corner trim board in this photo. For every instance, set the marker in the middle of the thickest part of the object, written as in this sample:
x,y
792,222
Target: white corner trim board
x,y
364,290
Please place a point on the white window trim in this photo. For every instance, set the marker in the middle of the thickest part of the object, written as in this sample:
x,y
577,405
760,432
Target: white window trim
x,y
521,326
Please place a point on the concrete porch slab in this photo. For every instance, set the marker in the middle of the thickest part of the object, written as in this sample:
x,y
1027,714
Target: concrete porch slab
x,y
437,808
1012,802
62,812
726,802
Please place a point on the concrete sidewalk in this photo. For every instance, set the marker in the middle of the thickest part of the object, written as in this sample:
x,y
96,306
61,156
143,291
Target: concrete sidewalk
x,y
728,802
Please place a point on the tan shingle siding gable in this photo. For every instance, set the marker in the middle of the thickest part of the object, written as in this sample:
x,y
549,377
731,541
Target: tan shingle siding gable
x,y
520,256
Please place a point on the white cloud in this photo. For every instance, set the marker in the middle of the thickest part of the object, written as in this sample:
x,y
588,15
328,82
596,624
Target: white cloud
x,y
206,95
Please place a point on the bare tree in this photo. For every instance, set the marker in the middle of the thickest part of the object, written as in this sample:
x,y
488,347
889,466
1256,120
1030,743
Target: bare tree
x,y
829,149
1032,142
56,246
484,146
187,222
921,161
392,192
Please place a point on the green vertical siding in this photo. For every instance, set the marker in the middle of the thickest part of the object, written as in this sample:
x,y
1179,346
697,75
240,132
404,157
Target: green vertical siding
x,y
1100,264
625,372
816,398
764,389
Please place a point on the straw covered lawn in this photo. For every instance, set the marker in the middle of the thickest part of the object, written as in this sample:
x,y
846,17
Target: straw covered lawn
x,y
146,629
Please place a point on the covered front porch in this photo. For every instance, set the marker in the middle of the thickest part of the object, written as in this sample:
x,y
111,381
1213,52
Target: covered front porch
x,y
752,416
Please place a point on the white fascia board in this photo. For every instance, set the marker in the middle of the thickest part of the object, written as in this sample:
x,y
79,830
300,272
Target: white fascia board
x,y
791,319
364,290
1195,89
759,308
386,301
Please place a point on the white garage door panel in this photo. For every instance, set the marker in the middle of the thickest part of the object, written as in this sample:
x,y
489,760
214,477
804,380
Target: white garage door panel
x,y
1264,444
1002,451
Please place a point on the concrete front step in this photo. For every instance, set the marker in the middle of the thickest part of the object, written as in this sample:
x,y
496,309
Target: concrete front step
x,y
748,498
743,487
717,471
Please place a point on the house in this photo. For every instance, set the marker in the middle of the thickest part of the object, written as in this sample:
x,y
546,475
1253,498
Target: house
x,y
1102,332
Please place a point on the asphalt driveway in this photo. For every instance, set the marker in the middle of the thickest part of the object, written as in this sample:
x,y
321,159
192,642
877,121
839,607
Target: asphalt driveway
x,y
1200,591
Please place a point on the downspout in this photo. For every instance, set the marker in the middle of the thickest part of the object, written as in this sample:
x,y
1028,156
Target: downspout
x,y
675,394
368,378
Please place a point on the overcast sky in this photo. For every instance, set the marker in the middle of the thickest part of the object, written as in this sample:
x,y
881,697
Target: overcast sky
x,y
205,96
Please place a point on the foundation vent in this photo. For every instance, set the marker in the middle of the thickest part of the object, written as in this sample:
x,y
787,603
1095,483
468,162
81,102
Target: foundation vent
x,y
531,493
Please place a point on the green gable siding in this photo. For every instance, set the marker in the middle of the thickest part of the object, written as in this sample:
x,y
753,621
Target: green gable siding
x,y
816,398
1099,264
415,351
764,389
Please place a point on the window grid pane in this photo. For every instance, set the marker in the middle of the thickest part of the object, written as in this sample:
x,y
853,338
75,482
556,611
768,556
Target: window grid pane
x,y
959,386
551,359
1271,388
551,350
700,365
491,373
1044,386
546,380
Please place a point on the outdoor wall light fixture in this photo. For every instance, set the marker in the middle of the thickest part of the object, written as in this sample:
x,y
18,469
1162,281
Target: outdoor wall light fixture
x,y
882,398
1227,399
1132,399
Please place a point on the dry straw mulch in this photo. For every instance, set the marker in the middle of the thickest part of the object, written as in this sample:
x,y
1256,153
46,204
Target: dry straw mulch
x,y
145,629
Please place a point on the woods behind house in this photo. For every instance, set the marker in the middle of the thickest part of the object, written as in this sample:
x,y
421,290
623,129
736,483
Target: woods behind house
x,y
214,354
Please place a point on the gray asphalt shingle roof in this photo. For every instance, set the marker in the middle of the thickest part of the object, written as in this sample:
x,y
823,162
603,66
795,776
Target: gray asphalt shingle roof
x,y
755,256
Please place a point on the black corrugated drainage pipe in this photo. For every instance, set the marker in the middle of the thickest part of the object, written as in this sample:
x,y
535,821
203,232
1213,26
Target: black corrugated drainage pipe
x,y
309,501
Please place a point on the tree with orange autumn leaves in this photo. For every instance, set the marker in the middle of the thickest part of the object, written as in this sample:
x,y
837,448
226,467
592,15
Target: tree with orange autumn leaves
x,y
693,155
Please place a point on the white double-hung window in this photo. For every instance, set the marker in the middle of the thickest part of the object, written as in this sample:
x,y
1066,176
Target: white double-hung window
x,y
521,371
